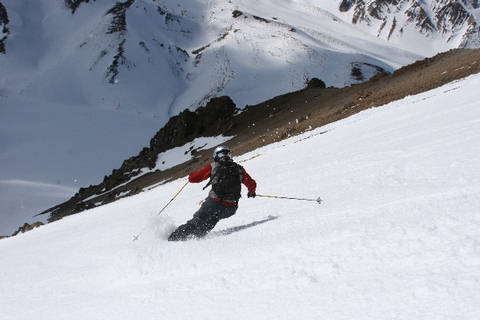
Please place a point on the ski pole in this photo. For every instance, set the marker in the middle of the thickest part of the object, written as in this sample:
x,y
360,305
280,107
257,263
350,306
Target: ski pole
x,y
173,198
135,237
318,200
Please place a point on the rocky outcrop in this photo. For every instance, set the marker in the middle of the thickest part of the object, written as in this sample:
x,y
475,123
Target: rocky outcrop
x,y
472,35
118,59
214,119
27,227
4,31
316,83
74,4
119,19
236,13
417,14
365,12
454,16
449,18
359,13
118,25
346,5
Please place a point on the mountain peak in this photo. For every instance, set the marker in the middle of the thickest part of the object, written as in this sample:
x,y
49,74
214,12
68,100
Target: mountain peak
x,y
452,21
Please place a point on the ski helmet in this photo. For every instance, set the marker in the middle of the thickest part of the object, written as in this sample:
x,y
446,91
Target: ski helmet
x,y
222,152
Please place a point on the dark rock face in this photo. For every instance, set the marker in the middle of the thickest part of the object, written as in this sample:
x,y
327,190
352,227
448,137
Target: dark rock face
x,y
472,36
3,15
213,119
316,83
236,13
74,4
3,26
419,16
453,13
210,120
447,17
359,14
346,5
378,9
118,25
357,73
118,59
119,20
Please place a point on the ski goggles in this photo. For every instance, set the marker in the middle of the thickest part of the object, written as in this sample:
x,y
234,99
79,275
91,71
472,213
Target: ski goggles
x,y
223,153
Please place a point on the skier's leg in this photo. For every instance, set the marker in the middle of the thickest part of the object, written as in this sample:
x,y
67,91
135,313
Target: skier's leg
x,y
183,231
226,212
201,221
210,217
205,226
207,217
204,220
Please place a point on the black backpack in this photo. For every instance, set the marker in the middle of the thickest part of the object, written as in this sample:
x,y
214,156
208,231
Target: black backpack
x,y
226,180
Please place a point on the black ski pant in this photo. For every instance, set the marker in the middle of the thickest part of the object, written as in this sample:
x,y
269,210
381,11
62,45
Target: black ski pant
x,y
203,220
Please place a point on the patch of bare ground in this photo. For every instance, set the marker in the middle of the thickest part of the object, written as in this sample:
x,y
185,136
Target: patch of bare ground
x,y
294,113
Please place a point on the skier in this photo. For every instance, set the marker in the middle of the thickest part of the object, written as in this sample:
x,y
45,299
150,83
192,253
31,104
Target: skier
x,y
226,177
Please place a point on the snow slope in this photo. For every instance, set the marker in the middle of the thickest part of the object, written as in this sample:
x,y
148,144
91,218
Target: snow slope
x,y
397,236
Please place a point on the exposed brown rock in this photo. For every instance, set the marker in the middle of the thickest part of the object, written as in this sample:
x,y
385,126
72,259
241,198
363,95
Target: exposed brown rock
x,y
27,227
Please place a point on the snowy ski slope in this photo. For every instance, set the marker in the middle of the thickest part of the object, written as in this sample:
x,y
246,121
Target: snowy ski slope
x,y
397,236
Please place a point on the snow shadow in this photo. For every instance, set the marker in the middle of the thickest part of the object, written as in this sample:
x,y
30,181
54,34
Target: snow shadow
x,y
242,227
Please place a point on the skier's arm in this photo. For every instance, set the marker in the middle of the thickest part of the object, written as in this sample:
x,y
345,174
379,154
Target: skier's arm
x,y
199,176
249,182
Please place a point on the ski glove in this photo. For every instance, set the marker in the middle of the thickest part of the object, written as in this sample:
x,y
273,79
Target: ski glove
x,y
251,195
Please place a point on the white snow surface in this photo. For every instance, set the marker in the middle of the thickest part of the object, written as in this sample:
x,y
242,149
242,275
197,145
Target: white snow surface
x,y
396,237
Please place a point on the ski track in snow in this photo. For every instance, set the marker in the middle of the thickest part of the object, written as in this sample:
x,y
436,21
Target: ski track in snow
x,y
397,236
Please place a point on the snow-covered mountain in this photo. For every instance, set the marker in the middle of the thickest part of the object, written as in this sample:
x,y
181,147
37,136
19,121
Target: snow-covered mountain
x,y
421,26
86,84
396,237
161,57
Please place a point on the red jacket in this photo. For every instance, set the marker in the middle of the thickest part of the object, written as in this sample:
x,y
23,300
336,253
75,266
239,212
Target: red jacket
x,y
205,173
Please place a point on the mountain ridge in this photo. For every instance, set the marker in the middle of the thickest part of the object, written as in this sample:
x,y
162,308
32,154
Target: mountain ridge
x,y
447,18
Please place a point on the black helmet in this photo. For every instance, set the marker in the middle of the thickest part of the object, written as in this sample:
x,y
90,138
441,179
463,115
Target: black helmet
x,y
222,153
